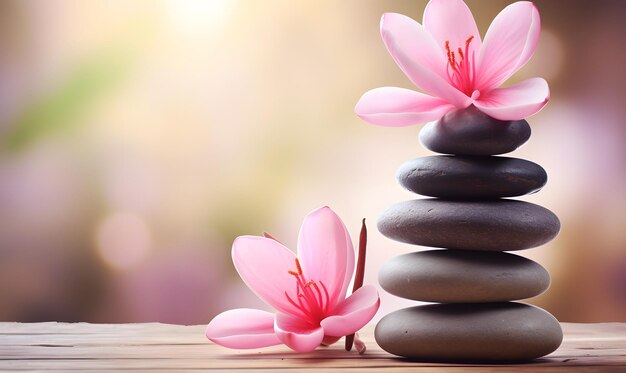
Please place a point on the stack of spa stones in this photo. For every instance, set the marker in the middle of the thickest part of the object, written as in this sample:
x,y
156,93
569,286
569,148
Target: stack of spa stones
x,y
472,281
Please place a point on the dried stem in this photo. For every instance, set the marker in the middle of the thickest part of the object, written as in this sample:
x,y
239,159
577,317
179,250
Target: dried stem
x,y
358,282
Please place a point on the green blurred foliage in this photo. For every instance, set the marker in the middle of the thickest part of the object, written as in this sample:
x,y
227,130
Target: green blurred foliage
x,y
62,109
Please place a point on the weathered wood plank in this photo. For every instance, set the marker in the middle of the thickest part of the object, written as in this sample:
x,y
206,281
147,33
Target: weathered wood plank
x,y
149,347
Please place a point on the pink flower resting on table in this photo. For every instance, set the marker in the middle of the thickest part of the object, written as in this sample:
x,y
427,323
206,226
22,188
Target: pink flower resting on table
x,y
308,291
446,58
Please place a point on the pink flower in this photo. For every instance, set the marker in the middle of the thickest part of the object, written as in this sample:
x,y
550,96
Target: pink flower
x,y
446,58
307,291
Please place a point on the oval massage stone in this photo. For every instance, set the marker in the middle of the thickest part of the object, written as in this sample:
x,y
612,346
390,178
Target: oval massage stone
x,y
454,276
466,332
503,225
471,132
470,177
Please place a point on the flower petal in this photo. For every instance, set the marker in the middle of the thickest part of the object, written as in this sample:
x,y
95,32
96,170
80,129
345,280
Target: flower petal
x,y
263,265
419,57
297,334
328,340
398,107
451,20
509,43
326,253
350,263
515,102
243,328
354,313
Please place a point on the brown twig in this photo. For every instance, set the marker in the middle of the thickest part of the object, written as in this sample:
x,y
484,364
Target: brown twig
x,y
358,277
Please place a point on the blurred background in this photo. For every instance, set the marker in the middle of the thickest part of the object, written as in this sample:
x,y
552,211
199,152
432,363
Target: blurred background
x,y
139,138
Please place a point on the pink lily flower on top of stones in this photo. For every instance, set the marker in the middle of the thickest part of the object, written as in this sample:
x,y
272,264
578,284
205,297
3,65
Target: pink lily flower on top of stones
x,y
308,291
446,58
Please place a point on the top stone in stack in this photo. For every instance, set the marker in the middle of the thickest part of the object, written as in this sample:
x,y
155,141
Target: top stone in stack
x,y
472,132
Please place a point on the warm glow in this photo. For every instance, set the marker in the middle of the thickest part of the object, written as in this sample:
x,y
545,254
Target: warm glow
x,y
197,17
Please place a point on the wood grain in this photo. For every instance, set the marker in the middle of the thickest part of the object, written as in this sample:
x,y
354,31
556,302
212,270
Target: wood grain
x,y
160,347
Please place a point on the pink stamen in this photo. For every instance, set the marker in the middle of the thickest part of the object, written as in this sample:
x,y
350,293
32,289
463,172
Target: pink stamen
x,y
461,72
300,307
319,293
301,301
302,297
310,298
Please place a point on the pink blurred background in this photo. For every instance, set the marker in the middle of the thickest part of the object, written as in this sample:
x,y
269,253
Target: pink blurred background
x,y
139,138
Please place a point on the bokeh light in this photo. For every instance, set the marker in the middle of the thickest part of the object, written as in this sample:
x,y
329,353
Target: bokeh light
x,y
123,240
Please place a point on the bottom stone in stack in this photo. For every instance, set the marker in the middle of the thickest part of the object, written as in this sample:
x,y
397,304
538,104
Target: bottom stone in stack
x,y
470,332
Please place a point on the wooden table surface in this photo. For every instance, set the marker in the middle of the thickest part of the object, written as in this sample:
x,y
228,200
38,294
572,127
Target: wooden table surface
x,y
161,347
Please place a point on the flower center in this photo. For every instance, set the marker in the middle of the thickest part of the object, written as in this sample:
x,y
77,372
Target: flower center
x,y
310,299
462,70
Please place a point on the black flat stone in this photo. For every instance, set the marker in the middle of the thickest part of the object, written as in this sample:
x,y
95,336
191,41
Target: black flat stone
x,y
455,276
502,225
471,177
487,332
471,132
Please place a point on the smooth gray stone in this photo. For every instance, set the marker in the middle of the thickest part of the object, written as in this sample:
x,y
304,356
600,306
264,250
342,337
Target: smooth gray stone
x,y
453,276
471,177
471,132
503,225
487,332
